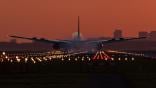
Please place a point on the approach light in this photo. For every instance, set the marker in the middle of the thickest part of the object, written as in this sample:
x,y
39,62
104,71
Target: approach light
x,y
44,58
26,59
6,57
112,58
39,59
126,58
89,59
17,57
18,60
3,53
75,59
82,59
119,58
69,59
62,59
11,61
50,58
33,60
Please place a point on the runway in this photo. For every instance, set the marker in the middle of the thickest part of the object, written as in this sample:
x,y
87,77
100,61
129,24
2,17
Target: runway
x,y
113,69
51,56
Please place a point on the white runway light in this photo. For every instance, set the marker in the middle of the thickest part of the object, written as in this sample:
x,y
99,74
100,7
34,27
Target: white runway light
x,y
6,57
132,58
89,59
69,59
126,58
33,60
17,59
62,59
119,58
26,59
3,53
82,59
112,58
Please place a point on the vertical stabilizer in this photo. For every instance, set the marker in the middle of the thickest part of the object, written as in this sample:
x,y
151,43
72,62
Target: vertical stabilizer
x,y
78,37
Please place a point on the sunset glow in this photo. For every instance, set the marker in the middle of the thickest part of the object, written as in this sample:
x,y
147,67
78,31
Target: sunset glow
x,y
57,19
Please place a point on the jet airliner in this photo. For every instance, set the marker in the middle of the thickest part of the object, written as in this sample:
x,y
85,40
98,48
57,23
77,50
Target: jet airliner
x,y
68,44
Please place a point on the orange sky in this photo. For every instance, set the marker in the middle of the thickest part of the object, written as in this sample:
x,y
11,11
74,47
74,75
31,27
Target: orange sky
x,y
57,19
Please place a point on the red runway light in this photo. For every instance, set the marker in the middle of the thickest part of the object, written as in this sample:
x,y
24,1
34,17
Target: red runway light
x,y
100,55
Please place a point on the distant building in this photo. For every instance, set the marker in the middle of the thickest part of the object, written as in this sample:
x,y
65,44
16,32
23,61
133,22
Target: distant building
x,y
118,33
142,34
152,35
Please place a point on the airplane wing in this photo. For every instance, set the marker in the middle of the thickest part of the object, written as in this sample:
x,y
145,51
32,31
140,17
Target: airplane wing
x,y
115,40
43,40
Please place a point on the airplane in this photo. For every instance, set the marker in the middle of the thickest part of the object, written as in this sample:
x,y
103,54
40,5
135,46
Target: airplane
x,y
77,42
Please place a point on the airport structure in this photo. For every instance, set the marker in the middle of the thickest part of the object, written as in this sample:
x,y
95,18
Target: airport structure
x,y
143,34
118,34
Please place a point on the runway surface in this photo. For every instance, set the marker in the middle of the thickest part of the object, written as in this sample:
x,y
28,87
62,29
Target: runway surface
x,y
94,70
